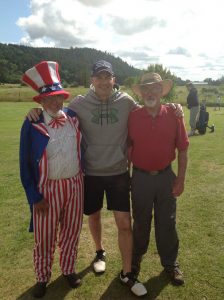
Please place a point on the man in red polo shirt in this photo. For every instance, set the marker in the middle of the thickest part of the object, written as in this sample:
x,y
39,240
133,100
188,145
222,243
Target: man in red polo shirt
x,y
155,134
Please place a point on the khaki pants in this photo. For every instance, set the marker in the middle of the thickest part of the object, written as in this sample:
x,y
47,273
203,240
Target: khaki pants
x,y
194,115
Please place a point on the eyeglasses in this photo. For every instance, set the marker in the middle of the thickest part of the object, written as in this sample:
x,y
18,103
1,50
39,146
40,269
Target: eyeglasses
x,y
154,89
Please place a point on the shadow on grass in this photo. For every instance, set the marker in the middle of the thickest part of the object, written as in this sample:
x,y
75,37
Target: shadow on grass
x,y
154,286
57,289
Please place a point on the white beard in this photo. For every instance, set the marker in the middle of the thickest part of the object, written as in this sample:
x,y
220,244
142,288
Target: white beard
x,y
54,115
150,103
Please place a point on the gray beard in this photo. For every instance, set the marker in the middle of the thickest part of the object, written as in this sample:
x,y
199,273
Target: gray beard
x,y
150,103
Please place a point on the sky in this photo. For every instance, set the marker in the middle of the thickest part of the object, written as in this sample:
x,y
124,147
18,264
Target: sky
x,y
185,36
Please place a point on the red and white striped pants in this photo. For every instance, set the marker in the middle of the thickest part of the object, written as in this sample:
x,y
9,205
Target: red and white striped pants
x,y
65,199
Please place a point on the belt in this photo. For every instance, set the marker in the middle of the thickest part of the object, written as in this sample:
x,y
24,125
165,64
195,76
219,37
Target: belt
x,y
152,172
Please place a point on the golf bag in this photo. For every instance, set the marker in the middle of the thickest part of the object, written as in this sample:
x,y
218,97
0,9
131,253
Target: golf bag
x,y
203,119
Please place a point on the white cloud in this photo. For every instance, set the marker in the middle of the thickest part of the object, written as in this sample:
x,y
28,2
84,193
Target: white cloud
x,y
94,2
133,26
179,51
183,36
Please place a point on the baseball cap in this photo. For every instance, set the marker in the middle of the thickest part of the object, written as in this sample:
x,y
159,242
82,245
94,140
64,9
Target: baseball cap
x,y
101,66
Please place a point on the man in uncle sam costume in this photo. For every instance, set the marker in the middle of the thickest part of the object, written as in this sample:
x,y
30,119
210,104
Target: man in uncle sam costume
x,y
52,177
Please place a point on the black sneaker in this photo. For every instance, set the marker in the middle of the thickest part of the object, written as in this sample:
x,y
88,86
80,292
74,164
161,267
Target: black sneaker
x,y
39,289
99,264
136,287
175,275
73,280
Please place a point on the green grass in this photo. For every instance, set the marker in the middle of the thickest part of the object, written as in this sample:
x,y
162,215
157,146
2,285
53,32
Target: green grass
x,y
18,93
200,225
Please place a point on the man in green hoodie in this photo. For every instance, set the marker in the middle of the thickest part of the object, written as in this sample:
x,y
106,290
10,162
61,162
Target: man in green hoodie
x,y
103,115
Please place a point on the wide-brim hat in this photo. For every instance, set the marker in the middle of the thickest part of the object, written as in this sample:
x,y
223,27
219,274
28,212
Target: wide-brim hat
x,y
149,79
44,78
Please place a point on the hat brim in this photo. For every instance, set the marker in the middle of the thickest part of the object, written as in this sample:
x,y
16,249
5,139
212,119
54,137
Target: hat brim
x,y
166,85
38,98
103,70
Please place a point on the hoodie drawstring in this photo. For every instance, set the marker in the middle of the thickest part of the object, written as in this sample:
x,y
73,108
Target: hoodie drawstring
x,y
102,112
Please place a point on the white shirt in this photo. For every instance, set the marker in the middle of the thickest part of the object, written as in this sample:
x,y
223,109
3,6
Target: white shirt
x,y
62,152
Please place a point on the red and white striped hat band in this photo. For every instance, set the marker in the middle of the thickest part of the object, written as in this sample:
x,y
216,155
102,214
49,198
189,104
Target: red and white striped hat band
x,y
45,79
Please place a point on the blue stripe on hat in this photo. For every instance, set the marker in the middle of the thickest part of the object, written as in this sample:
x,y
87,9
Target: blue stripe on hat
x,y
50,88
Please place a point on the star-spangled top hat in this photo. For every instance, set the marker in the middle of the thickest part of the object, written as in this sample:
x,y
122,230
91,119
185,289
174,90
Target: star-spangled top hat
x,y
44,79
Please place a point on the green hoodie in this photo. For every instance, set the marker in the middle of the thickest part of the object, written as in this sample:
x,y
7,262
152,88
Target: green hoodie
x,y
104,130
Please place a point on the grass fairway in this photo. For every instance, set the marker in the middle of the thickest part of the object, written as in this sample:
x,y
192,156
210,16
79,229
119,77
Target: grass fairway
x,y
200,220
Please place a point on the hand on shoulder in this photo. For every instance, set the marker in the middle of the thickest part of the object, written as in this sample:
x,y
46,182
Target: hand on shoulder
x,y
34,114
178,109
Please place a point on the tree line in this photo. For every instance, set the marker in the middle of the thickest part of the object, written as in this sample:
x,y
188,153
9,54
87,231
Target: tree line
x,y
75,63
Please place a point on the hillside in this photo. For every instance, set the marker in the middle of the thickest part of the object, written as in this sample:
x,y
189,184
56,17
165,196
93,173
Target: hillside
x,y
75,63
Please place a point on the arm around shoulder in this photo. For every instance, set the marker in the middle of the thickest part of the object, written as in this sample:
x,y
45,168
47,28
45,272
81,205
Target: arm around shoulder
x,y
75,102
34,114
177,108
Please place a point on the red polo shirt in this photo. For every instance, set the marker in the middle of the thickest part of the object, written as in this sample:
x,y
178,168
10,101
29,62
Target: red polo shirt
x,y
154,140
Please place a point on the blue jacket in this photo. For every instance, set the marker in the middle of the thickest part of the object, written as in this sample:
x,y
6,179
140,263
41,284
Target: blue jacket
x,y
32,146
192,98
